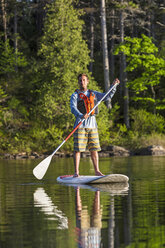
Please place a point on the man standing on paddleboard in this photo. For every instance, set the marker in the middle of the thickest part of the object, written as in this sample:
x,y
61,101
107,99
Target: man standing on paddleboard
x,y
82,101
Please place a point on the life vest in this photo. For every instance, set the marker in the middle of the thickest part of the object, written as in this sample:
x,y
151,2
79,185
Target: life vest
x,y
85,104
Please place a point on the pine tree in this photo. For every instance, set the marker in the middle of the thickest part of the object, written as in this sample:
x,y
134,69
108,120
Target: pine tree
x,y
64,55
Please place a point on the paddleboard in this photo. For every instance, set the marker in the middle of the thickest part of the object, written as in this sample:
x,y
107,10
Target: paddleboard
x,y
111,178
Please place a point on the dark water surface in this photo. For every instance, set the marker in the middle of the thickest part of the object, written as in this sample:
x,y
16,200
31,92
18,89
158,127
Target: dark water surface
x,y
46,214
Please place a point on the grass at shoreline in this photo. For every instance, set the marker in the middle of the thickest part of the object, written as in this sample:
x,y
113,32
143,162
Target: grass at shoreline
x,y
135,141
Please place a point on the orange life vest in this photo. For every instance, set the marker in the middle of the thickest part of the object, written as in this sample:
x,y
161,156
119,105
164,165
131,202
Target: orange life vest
x,y
85,104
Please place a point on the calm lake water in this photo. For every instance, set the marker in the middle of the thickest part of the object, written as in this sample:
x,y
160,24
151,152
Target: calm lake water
x,y
36,214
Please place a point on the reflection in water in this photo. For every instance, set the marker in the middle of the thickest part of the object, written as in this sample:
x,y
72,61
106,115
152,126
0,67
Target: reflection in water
x,y
88,229
134,218
89,226
42,200
111,188
111,224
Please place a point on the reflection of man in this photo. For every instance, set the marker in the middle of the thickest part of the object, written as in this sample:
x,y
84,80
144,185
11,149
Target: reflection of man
x,y
88,228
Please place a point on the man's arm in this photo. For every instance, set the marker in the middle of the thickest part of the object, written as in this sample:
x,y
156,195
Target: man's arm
x,y
99,95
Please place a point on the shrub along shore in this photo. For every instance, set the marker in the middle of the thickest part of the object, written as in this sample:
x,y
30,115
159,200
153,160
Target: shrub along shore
x,y
147,130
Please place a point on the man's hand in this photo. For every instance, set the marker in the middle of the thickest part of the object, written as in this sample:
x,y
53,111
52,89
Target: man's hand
x,y
116,81
85,116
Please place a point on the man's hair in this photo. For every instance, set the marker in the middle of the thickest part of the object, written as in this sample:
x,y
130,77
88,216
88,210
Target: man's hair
x,y
82,74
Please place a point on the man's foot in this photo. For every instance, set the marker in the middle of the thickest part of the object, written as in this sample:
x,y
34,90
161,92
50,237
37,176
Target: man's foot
x,y
76,175
98,173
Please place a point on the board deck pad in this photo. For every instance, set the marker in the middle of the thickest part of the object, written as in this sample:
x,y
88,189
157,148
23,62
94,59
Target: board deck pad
x,y
111,178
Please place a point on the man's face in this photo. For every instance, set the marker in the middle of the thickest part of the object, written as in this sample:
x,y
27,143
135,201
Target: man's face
x,y
83,82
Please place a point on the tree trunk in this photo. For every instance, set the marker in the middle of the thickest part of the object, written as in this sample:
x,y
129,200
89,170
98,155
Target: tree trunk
x,y
151,31
105,50
15,29
154,98
111,60
4,18
15,36
92,39
126,94
123,74
163,15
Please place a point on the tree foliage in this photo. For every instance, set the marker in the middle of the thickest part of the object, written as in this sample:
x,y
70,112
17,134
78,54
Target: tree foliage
x,y
10,58
63,54
45,45
145,66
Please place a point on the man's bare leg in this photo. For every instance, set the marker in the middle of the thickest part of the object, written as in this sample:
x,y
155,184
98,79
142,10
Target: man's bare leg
x,y
77,156
95,160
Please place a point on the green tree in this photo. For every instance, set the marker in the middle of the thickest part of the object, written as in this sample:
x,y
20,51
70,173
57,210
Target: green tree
x,y
64,54
145,69
10,59
13,113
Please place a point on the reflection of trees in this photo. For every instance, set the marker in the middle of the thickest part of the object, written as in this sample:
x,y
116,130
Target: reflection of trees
x,y
4,218
134,219
111,225
114,233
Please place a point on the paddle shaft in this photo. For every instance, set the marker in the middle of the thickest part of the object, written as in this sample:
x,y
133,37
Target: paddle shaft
x,y
79,124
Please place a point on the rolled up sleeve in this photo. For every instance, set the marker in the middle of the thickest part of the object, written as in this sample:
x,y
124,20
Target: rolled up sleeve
x,y
100,95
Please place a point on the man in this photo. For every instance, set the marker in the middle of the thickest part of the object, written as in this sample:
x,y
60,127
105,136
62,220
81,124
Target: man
x,y
82,101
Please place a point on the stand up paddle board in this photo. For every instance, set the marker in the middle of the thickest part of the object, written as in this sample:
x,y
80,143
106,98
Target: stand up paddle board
x,y
111,178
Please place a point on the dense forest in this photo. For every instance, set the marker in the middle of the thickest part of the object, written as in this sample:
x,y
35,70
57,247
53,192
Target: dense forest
x,y
44,46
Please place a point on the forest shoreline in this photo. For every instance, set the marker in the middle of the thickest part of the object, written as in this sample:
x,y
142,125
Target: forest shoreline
x,y
109,151
39,75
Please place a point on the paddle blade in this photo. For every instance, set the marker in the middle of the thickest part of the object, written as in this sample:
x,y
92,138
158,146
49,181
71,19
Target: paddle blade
x,y
40,170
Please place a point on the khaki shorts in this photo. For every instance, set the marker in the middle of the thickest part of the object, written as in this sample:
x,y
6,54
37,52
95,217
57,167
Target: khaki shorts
x,y
86,137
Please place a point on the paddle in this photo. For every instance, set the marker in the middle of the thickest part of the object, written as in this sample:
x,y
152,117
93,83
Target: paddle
x,y
40,170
